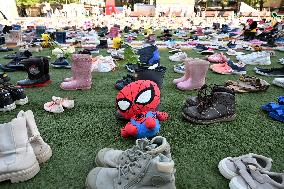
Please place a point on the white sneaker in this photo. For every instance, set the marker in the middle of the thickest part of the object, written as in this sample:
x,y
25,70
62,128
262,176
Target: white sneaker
x,y
178,57
278,82
281,60
255,58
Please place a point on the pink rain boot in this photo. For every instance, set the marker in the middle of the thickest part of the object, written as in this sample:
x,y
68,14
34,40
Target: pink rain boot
x,y
198,70
186,74
81,71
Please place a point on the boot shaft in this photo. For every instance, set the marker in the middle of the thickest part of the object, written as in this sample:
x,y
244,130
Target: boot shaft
x,y
81,65
36,67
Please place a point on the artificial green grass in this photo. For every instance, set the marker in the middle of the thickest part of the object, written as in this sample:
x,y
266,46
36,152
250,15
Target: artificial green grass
x,y
78,134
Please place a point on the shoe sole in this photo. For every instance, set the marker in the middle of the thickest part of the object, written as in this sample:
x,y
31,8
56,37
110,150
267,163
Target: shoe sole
x,y
81,88
22,102
45,156
223,119
56,66
9,107
36,85
21,176
240,73
269,75
227,173
278,84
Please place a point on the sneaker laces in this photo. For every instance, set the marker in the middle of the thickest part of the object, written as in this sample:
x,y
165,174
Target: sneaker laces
x,y
124,170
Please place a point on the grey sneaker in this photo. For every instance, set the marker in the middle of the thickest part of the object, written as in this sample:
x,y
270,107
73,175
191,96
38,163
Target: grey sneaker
x,y
147,172
254,178
230,167
109,157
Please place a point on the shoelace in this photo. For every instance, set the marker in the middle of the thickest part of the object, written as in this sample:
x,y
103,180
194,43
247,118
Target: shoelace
x,y
124,170
204,98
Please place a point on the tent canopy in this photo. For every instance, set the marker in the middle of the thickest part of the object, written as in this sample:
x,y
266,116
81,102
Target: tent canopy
x,y
246,8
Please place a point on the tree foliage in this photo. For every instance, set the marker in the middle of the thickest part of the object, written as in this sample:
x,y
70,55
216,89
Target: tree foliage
x,y
33,2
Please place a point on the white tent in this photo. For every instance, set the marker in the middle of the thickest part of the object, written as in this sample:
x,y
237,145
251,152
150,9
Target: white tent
x,y
246,8
9,8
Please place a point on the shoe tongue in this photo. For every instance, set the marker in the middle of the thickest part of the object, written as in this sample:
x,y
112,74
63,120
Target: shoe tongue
x,y
143,144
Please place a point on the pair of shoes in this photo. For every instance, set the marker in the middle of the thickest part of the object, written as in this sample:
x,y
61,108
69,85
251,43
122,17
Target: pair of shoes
x,y
217,58
195,73
218,105
124,81
81,73
38,72
10,96
180,68
229,67
178,57
261,58
275,110
24,145
274,72
148,164
247,84
250,171
58,104
61,62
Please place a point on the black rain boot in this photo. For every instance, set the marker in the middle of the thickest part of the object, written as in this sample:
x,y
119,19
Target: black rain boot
x,y
38,72
156,75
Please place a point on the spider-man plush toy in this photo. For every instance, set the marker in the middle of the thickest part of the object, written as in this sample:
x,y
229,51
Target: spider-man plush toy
x,y
138,101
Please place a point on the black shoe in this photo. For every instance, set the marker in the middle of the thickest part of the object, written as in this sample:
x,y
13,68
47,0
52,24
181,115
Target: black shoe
x,y
4,78
38,72
20,55
274,72
156,75
13,65
103,44
124,81
6,101
17,94
219,108
61,62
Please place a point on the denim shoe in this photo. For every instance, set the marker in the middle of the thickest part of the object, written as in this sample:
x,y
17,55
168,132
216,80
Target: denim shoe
x,y
238,68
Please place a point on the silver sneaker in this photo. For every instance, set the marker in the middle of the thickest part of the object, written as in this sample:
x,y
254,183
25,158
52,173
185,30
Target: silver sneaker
x,y
109,157
145,173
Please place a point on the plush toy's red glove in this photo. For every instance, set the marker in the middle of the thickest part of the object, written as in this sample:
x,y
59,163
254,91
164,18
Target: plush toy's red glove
x,y
162,116
129,130
150,123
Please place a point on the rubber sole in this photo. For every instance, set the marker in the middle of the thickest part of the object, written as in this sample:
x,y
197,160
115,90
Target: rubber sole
x,y
45,156
234,184
227,173
22,102
37,85
9,107
57,66
269,75
21,176
81,88
222,119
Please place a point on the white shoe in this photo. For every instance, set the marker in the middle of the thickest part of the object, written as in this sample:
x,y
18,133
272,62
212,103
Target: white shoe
x,y
255,58
278,82
178,57
281,60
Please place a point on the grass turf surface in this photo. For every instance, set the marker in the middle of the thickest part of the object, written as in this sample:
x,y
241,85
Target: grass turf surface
x,y
78,134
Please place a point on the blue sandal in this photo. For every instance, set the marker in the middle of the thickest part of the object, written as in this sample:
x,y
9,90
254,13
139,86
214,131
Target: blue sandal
x,y
275,115
281,100
270,107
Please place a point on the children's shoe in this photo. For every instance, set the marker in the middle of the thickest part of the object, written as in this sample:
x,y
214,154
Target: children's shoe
x,y
221,48
131,67
278,82
61,62
232,52
277,115
221,68
53,107
17,94
252,177
232,166
6,101
239,68
273,72
281,61
231,45
218,58
180,68
65,102
178,57
255,58
4,78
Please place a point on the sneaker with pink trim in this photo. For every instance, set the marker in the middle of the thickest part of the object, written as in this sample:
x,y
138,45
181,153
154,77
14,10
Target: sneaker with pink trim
x,y
53,107
222,68
65,102
218,58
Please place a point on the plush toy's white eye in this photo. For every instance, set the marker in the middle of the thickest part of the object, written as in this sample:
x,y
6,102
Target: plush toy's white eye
x,y
145,96
123,105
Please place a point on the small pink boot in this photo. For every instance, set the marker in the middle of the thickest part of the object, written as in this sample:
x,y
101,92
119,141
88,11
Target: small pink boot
x,y
81,73
197,70
186,74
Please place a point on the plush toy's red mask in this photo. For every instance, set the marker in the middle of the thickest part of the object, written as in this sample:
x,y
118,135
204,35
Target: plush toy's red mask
x,y
137,97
